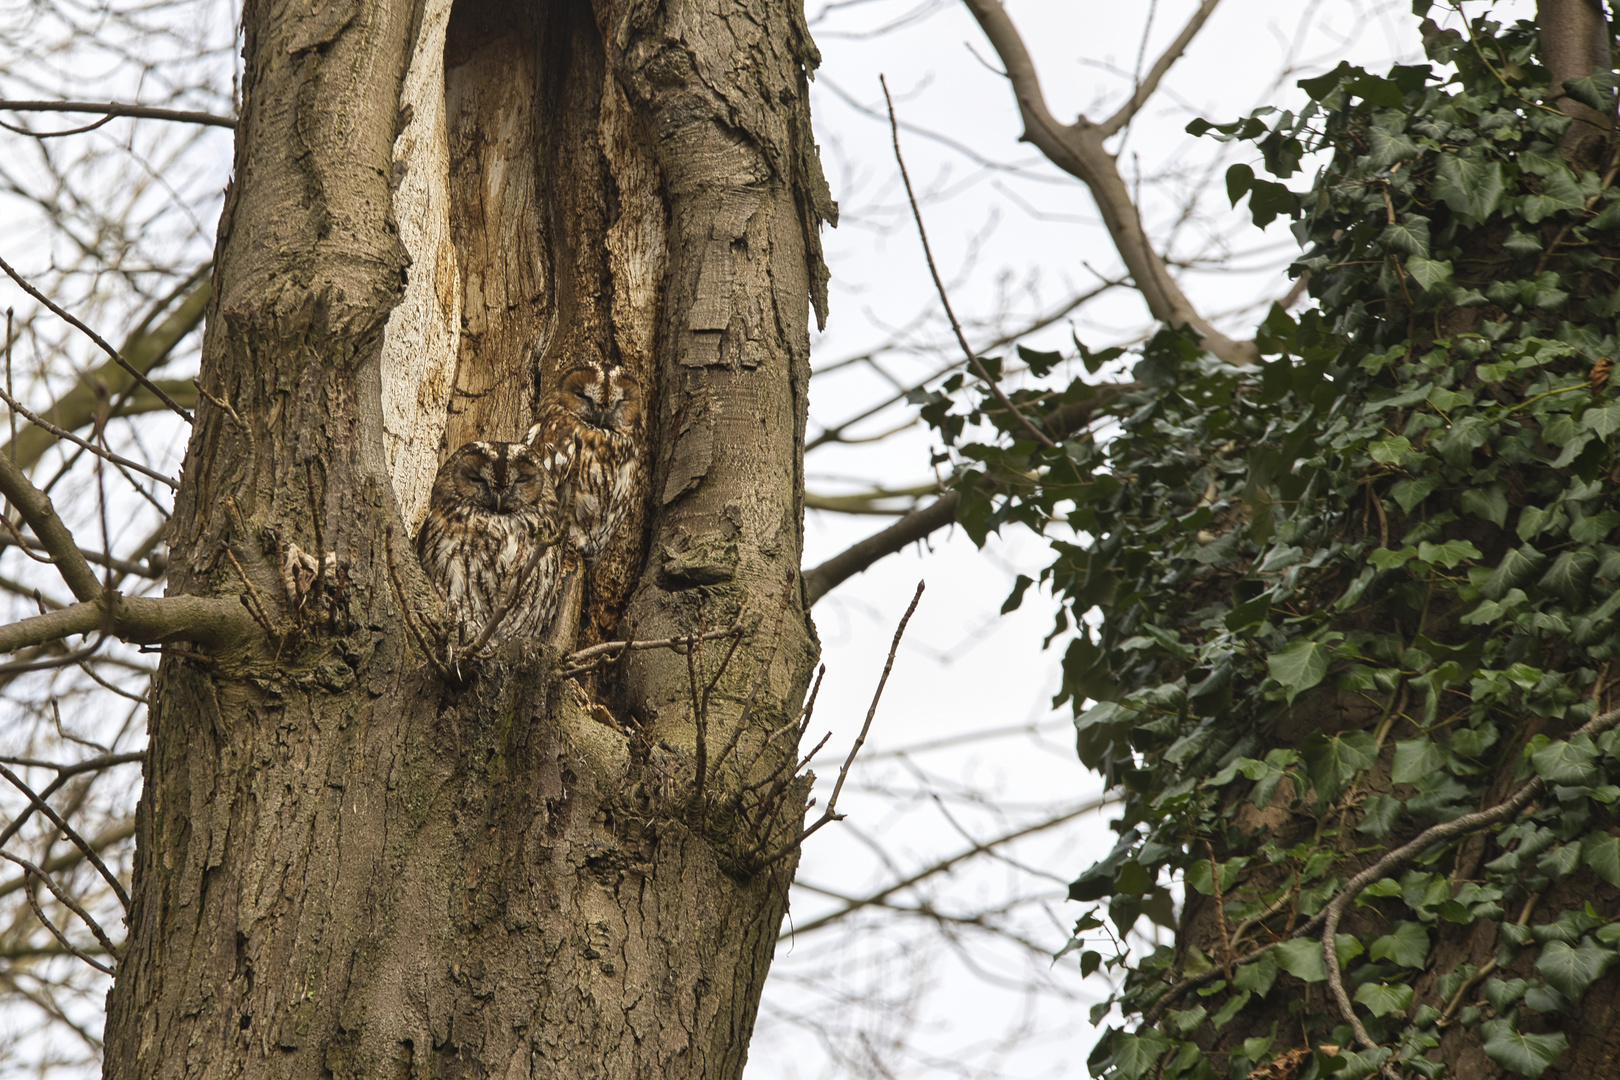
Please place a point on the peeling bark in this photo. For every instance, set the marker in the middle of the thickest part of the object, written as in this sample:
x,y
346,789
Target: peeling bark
x,y
345,866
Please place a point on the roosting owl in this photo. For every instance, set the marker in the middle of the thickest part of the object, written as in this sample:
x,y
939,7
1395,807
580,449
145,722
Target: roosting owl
x,y
491,539
589,439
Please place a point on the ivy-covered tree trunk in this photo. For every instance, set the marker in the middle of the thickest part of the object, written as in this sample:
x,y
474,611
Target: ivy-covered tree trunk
x,y
1355,670
348,864
1363,700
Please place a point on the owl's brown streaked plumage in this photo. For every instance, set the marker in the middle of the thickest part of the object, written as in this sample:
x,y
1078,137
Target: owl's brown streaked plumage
x,y
589,440
492,506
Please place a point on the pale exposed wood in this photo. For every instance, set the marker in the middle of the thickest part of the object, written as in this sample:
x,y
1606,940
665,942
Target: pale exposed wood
x,y
424,331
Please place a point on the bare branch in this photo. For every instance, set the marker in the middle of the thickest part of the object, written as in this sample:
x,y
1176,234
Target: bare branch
x,y
34,872
1145,88
919,523
946,864
38,803
112,109
939,285
586,659
141,620
146,347
835,433
105,455
100,341
1078,149
36,509
103,840
123,566
831,812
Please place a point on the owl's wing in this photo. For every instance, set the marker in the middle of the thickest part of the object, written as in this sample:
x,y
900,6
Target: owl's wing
x,y
555,441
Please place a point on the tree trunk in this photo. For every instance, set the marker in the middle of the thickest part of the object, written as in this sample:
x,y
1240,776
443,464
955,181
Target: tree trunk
x,y
1574,44
347,865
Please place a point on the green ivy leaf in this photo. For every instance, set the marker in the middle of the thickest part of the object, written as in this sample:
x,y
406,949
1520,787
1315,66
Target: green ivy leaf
x,y
1428,272
1299,666
1601,851
1527,1055
1448,554
1407,945
1016,597
1302,958
1416,759
1382,811
1409,236
1408,493
1239,179
1470,185
1570,969
1503,992
1571,762
1559,191
1386,147
1595,90
1594,529
1385,559
1257,977
1135,1054
1382,999
1516,568
1488,504
1332,761
1233,1006
1570,575
1603,419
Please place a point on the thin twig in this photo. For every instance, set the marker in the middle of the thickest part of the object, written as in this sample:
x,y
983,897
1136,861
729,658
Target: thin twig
x,y
100,341
590,658
253,601
317,509
1145,88
112,109
831,812
37,803
32,871
62,433
945,865
939,285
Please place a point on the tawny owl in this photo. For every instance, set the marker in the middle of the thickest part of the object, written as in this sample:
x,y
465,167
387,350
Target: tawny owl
x,y
491,538
589,440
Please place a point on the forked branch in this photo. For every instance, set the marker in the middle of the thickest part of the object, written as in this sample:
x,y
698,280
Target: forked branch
x,y
1078,149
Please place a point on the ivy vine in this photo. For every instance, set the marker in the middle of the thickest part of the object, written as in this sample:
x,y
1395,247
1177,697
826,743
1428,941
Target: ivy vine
x,y
1341,626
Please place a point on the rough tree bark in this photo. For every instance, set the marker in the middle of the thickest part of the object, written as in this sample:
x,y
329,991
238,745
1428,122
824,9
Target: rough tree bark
x,y
346,865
